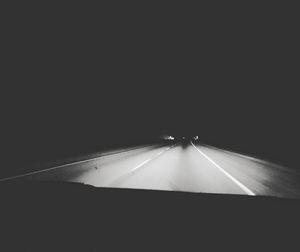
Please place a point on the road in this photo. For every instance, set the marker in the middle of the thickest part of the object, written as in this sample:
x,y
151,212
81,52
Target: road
x,y
190,168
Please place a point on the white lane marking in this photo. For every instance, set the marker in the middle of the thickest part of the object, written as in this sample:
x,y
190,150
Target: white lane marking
x,y
140,165
243,187
116,182
150,159
61,166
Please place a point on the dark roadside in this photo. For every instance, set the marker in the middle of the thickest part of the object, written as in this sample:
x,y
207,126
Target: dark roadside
x,y
30,160
59,216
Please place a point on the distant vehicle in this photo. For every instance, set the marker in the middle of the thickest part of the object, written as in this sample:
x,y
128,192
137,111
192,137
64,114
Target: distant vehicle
x,y
168,137
189,138
186,139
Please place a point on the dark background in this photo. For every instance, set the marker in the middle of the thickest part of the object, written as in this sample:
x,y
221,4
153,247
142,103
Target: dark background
x,y
84,78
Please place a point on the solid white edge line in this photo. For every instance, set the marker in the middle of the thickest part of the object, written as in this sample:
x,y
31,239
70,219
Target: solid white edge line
x,y
243,187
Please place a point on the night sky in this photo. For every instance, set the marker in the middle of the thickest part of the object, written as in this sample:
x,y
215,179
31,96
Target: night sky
x,y
78,82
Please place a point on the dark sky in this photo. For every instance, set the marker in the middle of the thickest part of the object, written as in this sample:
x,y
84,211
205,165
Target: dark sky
x,y
81,78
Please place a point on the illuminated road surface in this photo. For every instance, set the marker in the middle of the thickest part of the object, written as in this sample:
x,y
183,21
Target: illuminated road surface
x,y
191,168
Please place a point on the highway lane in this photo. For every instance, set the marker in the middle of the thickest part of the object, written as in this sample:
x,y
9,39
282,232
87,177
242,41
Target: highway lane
x,y
180,169
190,168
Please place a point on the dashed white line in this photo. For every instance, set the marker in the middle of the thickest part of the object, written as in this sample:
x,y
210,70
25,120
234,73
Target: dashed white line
x,y
243,187
140,165
116,182
150,159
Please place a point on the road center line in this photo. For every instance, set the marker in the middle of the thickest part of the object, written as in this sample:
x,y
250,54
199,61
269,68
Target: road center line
x,y
150,159
141,164
243,187
116,182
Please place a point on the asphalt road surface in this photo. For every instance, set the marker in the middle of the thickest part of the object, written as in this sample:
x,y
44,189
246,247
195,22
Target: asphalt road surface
x,y
190,168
